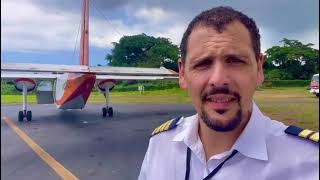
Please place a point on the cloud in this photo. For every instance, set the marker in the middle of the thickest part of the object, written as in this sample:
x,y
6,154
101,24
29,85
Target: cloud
x,y
102,35
174,33
34,29
25,26
74,5
153,15
45,25
311,36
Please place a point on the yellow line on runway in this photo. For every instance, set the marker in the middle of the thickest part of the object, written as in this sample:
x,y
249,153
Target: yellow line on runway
x,y
55,165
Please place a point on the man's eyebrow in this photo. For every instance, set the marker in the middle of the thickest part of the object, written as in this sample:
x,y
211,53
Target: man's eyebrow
x,y
200,59
241,55
237,56
208,56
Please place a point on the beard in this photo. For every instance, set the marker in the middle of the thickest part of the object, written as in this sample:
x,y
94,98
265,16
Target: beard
x,y
215,124
218,126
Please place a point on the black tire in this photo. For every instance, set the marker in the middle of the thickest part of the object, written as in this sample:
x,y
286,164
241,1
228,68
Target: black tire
x,y
29,115
110,112
317,94
20,116
104,112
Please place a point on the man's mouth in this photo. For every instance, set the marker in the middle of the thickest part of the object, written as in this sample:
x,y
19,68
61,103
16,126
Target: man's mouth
x,y
221,102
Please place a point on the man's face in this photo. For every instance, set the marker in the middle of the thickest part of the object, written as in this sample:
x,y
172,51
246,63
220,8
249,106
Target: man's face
x,y
221,75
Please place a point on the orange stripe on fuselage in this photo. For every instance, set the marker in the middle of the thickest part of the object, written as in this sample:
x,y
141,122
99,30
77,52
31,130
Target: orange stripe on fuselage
x,y
77,85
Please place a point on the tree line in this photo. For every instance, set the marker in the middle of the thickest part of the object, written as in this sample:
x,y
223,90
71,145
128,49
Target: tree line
x,y
293,60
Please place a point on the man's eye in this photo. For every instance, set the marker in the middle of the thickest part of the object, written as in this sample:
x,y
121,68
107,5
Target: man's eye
x,y
203,64
234,60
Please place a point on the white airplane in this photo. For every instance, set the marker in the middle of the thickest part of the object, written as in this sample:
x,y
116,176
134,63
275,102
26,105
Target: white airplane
x,y
69,86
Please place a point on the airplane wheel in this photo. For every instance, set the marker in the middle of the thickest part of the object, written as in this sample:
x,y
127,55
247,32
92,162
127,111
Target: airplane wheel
x,y
104,112
20,116
110,111
29,115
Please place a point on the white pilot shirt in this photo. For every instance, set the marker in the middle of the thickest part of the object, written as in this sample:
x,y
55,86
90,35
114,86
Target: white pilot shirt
x,y
265,152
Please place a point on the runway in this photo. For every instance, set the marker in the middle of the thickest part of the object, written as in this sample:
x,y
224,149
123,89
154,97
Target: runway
x,y
82,141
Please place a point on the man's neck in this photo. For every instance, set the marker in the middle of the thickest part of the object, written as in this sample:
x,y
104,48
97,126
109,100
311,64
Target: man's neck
x,y
217,142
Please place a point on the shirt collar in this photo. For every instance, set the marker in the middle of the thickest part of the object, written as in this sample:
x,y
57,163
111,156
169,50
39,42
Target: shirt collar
x,y
251,142
189,129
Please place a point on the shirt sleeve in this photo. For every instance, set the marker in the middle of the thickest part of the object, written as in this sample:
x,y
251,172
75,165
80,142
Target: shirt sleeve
x,y
144,167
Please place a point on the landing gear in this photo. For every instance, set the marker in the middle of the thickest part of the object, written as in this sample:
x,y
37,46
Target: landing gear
x,y
104,112
24,113
29,115
107,110
110,112
20,116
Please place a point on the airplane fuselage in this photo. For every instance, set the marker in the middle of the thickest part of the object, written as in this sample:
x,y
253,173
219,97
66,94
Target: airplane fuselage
x,y
72,90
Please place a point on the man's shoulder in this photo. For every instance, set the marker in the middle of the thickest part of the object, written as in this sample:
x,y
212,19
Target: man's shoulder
x,y
169,129
167,126
292,138
285,149
305,134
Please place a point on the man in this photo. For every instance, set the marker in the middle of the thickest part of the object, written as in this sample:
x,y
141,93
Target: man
x,y
229,137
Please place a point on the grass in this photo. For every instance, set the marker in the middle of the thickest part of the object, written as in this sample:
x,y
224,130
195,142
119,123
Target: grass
x,y
294,105
170,96
17,99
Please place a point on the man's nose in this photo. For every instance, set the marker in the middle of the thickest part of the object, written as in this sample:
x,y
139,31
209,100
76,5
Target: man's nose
x,y
219,75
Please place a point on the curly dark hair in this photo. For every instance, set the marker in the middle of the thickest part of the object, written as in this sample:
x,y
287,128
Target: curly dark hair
x,y
218,18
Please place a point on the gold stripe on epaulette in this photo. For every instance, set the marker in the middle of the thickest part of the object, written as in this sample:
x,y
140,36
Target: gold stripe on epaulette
x,y
315,137
168,124
158,130
162,127
155,131
305,133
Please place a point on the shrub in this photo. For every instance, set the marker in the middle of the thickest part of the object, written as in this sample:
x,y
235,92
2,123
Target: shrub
x,y
285,83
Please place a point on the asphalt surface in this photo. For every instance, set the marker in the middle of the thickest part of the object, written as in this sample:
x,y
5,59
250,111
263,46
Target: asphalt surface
x,y
85,143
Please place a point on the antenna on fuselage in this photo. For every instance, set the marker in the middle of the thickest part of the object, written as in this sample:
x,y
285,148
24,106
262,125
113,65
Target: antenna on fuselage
x,y
84,43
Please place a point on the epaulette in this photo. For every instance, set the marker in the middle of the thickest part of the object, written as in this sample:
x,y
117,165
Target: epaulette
x,y
171,124
303,133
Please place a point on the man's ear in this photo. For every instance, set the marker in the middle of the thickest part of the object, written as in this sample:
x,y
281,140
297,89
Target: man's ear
x,y
182,80
260,79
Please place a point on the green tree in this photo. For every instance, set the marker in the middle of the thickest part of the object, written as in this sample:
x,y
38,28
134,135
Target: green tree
x,y
277,74
144,51
295,59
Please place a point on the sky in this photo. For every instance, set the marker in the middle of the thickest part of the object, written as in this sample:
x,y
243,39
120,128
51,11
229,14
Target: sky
x,y
47,31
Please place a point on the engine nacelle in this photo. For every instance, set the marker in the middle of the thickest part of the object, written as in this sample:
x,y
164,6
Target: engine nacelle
x,y
106,84
29,83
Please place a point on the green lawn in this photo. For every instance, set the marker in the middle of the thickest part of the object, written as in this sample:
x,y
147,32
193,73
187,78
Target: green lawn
x,y
289,105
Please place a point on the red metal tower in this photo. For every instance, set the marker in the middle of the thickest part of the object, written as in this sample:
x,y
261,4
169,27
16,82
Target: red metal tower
x,y
84,43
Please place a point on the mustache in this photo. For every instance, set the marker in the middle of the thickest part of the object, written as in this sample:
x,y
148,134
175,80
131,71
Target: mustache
x,y
220,90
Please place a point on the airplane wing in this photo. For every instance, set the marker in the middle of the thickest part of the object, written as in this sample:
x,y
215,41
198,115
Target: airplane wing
x,y
10,76
98,70
118,77
39,72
